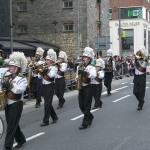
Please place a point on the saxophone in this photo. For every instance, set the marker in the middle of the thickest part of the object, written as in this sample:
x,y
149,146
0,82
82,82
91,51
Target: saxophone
x,y
78,84
3,92
31,65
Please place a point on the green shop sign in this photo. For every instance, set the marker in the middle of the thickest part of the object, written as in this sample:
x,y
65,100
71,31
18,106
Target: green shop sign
x,y
134,13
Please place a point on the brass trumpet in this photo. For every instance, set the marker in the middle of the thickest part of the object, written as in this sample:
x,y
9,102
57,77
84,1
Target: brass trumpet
x,y
41,68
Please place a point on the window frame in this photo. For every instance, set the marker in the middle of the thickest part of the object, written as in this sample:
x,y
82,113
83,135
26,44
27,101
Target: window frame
x,y
22,26
68,24
67,1
110,13
21,5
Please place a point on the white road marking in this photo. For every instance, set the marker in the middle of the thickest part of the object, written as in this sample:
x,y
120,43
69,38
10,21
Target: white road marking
x,y
147,82
147,87
113,91
83,115
121,98
32,137
124,82
131,83
106,92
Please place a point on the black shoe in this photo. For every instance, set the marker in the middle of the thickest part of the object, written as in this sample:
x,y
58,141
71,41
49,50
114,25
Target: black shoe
x,y
37,106
59,107
44,124
91,120
108,94
82,127
94,107
139,108
116,78
100,105
55,120
20,144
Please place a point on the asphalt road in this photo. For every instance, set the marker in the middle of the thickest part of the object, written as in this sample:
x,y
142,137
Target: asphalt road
x,y
116,126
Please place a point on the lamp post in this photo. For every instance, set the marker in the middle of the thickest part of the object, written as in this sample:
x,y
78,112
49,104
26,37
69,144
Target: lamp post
x,y
120,48
11,28
78,28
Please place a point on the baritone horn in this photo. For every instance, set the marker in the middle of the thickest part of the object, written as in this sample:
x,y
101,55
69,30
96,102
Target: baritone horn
x,y
3,91
79,78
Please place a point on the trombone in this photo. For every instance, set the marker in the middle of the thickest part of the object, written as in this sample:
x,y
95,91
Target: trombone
x,y
41,68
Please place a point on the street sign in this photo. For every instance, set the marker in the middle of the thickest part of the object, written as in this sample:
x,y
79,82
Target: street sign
x,y
102,42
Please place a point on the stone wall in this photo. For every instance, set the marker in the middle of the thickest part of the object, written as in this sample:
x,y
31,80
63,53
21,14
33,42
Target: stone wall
x,y
91,22
40,18
104,17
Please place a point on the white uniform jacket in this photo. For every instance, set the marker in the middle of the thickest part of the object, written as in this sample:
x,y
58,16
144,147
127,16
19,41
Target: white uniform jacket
x,y
51,74
62,68
142,64
92,73
100,75
19,86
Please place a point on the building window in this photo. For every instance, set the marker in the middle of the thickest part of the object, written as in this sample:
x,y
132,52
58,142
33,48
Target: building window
x,y
110,14
132,12
128,42
68,4
68,27
22,7
22,29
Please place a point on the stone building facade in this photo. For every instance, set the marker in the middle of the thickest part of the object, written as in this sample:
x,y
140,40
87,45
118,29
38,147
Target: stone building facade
x,y
46,20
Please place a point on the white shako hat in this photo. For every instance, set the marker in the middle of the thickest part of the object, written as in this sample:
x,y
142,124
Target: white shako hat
x,y
63,55
18,59
51,55
100,62
88,52
40,51
110,52
141,52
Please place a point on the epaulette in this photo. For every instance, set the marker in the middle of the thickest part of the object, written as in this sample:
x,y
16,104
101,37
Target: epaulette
x,y
21,75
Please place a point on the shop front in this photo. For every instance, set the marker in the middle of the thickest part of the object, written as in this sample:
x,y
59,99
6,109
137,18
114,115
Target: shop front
x,y
135,34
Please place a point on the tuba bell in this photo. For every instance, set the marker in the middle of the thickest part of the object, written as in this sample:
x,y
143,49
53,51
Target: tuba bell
x,y
3,91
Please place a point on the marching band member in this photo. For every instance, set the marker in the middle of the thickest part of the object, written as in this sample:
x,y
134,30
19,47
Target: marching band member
x,y
15,88
87,72
109,71
60,84
47,75
140,77
97,83
36,88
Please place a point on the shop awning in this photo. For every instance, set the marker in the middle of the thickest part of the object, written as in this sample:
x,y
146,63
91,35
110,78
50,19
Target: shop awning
x,y
23,43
